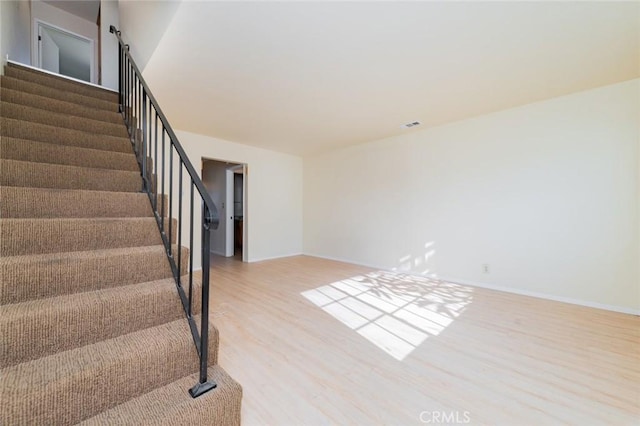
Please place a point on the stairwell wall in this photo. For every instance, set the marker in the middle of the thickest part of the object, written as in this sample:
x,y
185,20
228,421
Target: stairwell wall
x,y
546,195
15,38
109,15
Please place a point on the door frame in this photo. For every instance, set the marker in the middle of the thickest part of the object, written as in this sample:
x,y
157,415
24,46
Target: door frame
x,y
230,237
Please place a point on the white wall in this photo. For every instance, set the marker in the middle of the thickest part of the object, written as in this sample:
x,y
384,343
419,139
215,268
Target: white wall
x,y
15,32
273,198
109,15
59,18
143,23
546,194
214,179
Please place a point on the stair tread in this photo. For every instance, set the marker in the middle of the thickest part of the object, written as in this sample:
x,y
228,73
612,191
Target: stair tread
x,y
21,129
70,166
36,328
31,74
78,255
48,175
59,105
49,235
172,404
36,276
31,202
51,153
61,119
57,94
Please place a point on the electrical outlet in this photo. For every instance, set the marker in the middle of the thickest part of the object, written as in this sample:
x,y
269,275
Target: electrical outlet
x,y
485,268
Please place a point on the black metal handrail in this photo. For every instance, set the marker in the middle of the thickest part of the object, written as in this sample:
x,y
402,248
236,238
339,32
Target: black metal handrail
x,y
137,105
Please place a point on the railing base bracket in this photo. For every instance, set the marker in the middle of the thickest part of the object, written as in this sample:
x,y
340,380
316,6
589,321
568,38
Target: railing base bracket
x,y
201,388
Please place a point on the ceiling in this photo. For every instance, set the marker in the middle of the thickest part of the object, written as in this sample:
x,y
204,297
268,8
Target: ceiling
x,y
86,9
306,77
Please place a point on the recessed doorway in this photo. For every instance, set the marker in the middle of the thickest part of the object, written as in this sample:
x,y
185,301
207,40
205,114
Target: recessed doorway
x,y
227,185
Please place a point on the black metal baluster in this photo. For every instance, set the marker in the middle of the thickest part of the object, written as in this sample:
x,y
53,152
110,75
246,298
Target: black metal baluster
x,y
155,167
125,74
169,252
136,118
190,314
148,149
129,100
162,183
179,221
144,140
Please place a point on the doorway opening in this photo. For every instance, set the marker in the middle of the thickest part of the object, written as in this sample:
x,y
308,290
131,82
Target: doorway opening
x,y
63,52
226,183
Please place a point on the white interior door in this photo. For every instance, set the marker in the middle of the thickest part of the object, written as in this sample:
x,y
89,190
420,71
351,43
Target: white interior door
x,y
49,51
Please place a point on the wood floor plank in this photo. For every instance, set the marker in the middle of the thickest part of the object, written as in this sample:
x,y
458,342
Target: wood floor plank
x,y
495,357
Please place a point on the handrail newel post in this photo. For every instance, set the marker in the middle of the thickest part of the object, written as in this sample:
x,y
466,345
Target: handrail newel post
x,y
204,385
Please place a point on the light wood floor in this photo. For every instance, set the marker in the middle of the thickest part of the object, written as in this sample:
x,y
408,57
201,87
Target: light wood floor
x,y
318,342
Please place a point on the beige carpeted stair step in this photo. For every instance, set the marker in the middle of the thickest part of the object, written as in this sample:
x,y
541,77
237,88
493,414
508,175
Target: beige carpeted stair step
x,y
31,277
71,386
61,120
21,129
60,106
172,405
25,202
38,236
45,79
53,93
42,152
39,328
43,175
91,325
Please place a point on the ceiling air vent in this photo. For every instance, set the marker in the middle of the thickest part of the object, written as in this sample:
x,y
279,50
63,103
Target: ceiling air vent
x,y
410,125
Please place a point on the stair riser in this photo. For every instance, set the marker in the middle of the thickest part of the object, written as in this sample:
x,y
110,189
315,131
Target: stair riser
x,y
41,328
42,175
27,278
35,236
36,115
58,106
51,134
140,362
35,76
41,152
57,94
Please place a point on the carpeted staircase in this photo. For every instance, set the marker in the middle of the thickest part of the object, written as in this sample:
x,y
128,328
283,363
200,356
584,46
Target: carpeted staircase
x,y
92,328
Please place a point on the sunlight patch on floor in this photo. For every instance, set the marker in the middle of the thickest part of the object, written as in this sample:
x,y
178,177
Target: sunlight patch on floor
x,y
394,311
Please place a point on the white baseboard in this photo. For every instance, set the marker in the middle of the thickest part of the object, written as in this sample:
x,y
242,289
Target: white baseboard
x,y
538,295
261,259
546,296
353,262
